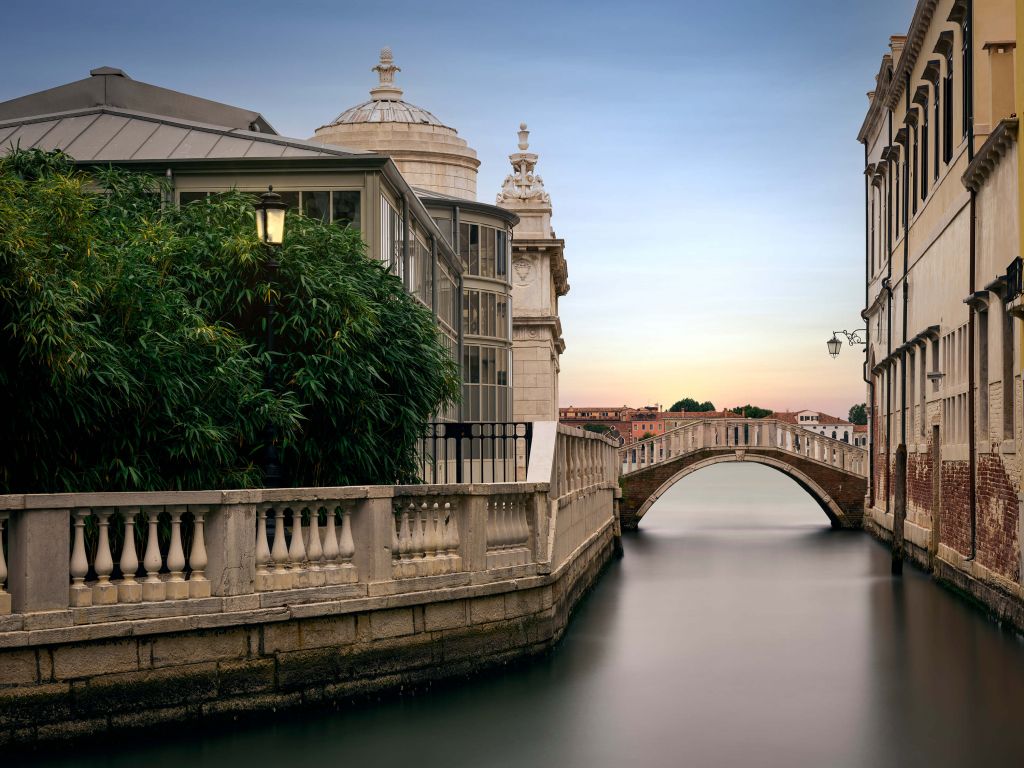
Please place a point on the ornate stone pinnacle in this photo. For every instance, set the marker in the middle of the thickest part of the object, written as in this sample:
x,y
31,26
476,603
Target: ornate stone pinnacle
x,y
523,185
385,69
524,137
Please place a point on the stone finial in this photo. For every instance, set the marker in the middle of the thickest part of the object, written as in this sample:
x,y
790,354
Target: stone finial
x,y
385,69
523,185
524,137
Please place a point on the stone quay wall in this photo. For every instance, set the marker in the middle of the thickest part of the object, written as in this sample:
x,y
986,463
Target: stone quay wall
x,y
259,600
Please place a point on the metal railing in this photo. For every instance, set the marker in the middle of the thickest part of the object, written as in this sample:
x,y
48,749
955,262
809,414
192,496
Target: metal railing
x,y
1014,279
479,452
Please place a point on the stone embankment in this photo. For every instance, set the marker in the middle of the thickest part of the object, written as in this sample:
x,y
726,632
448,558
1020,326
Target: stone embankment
x,y
238,601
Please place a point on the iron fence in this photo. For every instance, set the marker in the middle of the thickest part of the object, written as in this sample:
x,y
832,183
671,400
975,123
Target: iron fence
x,y
480,452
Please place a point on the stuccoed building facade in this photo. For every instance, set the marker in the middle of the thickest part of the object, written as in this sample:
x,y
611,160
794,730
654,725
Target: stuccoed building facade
x,y
386,167
943,296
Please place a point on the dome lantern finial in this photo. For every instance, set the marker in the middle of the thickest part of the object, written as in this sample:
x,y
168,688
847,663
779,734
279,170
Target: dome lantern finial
x,y
524,137
385,69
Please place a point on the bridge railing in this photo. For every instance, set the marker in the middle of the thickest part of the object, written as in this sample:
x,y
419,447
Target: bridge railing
x,y
741,434
94,558
582,472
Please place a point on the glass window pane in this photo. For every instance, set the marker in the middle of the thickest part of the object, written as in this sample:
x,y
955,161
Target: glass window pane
x,y
291,199
190,197
474,365
345,208
316,205
486,252
474,249
464,245
502,254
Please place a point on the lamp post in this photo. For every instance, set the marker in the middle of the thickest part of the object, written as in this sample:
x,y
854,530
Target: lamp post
x,y
270,212
852,337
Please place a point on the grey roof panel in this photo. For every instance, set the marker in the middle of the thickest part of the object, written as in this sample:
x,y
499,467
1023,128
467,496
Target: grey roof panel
x,y
65,132
127,141
195,144
27,135
230,146
162,143
300,152
96,136
265,149
5,132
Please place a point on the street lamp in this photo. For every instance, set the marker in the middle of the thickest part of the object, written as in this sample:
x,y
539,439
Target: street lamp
x,y
852,337
270,229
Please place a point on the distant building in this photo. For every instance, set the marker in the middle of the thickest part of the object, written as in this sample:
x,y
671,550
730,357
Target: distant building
x,y
820,424
860,435
631,424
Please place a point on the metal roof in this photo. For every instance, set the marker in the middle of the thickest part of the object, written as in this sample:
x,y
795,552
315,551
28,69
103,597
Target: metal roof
x,y
102,133
110,87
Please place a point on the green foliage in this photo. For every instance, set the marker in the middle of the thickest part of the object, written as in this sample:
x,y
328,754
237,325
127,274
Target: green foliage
x,y
601,429
751,411
132,349
645,435
859,413
689,404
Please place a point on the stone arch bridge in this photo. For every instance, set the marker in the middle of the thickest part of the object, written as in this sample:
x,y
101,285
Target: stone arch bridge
x,y
833,472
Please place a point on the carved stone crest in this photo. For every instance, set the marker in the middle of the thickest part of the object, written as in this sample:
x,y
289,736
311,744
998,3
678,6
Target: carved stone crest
x,y
523,269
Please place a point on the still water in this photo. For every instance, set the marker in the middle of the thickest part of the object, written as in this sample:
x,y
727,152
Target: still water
x,y
739,630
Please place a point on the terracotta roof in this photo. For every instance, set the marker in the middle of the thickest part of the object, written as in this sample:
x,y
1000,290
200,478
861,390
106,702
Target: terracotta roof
x,y
823,418
860,427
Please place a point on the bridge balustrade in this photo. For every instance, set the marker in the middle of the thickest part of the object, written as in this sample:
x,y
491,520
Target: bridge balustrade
x,y
741,433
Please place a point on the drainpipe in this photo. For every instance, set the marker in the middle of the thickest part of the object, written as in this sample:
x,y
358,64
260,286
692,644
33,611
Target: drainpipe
x,y
406,278
900,511
458,316
866,374
971,438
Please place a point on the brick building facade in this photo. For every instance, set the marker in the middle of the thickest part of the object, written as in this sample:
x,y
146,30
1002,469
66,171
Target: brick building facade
x,y
943,283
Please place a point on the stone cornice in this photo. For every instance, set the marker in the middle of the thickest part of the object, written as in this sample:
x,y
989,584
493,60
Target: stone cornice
x,y
888,91
991,152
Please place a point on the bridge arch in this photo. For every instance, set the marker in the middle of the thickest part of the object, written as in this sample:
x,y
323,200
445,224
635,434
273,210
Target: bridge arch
x,y
837,517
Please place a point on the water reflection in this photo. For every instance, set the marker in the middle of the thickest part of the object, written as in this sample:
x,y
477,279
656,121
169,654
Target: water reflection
x,y
739,630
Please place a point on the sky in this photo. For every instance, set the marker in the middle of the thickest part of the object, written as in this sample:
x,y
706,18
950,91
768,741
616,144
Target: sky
x,y
701,157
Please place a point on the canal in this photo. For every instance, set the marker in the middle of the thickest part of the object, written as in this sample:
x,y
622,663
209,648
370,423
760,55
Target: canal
x,y
739,630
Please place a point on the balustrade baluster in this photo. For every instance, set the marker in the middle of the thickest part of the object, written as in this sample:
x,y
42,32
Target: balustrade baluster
x,y
153,588
282,576
80,594
315,550
452,536
129,590
177,588
297,552
331,547
198,584
5,597
103,591
264,579
416,545
346,546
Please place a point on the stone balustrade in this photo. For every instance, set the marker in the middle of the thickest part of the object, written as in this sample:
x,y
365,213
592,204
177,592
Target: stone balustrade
x,y
200,605
87,554
738,434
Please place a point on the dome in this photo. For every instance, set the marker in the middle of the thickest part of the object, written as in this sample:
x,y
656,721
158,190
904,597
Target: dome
x,y
431,155
381,111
